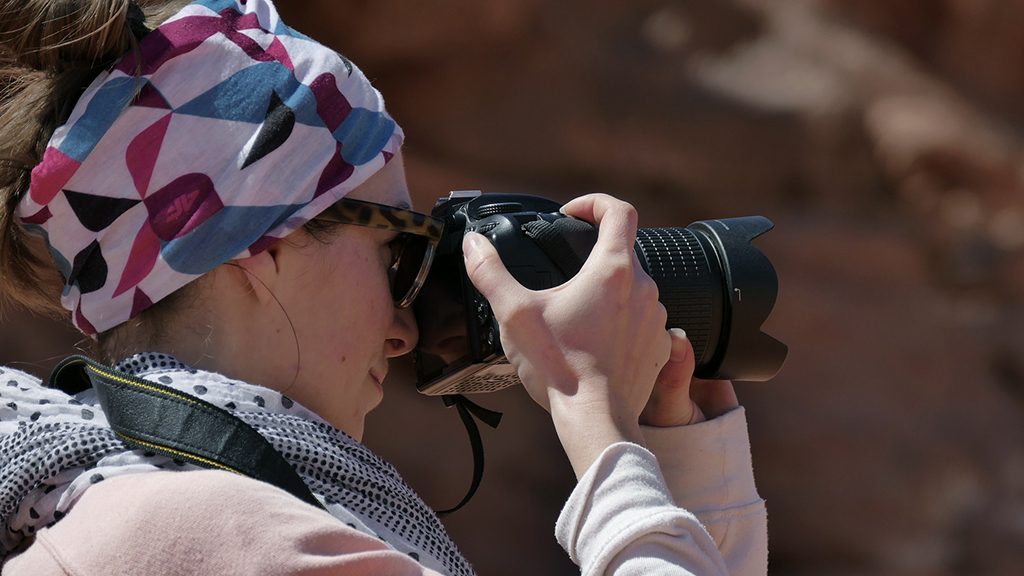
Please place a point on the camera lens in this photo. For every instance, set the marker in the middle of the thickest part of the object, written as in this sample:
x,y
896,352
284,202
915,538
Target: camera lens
x,y
689,287
712,281
720,289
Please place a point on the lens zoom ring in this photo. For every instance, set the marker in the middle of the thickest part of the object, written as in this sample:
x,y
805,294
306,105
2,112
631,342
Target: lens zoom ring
x,y
678,265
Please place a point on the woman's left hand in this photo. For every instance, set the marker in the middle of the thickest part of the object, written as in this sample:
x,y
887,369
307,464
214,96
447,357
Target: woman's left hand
x,y
678,399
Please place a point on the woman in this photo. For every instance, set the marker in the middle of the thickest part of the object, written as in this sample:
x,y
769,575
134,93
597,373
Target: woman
x,y
199,185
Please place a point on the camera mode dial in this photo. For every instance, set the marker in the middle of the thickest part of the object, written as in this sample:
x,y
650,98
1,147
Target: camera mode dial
x,y
499,208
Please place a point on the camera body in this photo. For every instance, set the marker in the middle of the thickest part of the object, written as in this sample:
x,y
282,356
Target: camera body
x,y
714,284
459,351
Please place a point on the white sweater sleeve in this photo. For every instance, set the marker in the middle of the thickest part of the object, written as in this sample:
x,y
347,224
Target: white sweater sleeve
x,y
621,518
708,470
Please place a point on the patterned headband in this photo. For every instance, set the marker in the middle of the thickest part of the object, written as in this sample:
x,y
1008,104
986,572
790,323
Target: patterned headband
x,y
239,131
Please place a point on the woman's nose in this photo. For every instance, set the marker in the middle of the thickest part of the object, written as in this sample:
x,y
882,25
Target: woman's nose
x,y
404,334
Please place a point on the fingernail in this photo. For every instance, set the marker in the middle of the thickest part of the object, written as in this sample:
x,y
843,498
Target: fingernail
x,y
678,345
470,243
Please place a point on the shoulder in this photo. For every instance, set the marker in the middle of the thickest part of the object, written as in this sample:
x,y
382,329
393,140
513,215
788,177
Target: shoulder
x,y
208,522
194,506
181,492
12,378
22,395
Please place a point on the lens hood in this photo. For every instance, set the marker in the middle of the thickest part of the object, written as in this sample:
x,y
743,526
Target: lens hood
x,y
750,284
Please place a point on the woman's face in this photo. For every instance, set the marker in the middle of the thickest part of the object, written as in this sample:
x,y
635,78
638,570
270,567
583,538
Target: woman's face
x,y
339,301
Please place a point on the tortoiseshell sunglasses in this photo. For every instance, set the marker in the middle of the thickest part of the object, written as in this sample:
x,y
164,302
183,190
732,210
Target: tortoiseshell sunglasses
x,y
412,251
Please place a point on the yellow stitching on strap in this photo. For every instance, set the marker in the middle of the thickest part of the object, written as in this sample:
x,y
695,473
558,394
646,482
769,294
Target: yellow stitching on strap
x,y
69,364
140,385
148,444
180,453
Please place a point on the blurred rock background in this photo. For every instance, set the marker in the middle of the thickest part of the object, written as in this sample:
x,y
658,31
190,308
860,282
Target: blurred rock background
x,y
885,141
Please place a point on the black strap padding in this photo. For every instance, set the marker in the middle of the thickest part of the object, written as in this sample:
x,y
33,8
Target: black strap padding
x,y
551,239
154,417
467,409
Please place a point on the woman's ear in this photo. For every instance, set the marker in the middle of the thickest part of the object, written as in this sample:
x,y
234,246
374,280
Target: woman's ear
x,y
258,273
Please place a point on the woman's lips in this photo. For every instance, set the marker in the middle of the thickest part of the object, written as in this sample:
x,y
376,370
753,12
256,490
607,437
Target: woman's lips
x,y
378,376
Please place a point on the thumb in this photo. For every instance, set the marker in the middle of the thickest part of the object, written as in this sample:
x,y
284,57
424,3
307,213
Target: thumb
x,y
487,272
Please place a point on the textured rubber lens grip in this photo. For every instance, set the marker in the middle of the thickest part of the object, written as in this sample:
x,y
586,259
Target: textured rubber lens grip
x,y
687,284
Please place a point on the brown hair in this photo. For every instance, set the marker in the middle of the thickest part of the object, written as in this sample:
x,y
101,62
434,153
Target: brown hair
x,y
50,50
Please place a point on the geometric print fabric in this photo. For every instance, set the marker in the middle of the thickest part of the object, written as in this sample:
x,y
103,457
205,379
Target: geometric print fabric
x,y
238,131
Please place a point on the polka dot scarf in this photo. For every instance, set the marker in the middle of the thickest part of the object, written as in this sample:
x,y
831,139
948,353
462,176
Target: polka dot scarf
x,y
237,132
53,447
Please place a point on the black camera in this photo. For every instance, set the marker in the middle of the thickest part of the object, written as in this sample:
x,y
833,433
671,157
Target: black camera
x,y
711,280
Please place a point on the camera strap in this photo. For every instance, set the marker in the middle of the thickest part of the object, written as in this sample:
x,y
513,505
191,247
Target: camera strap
x,y
551,238
150,416
467,410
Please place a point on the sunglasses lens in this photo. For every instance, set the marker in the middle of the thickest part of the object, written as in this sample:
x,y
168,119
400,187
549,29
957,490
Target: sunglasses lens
x,y
410,256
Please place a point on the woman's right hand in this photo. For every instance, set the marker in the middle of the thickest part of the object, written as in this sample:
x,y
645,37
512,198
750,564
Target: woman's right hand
x,y
589,350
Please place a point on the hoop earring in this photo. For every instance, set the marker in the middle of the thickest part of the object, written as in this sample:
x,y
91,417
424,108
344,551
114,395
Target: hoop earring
x,y
295,335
